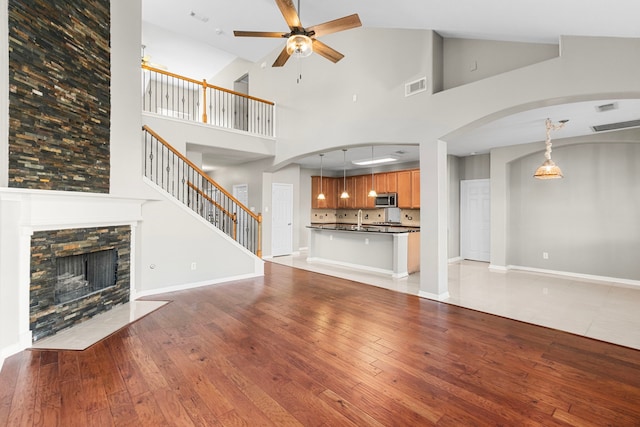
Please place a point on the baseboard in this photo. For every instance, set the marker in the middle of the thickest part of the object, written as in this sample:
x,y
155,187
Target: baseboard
x,y
590,277
456,259
498,268
358,267
428,295
23,343
186,286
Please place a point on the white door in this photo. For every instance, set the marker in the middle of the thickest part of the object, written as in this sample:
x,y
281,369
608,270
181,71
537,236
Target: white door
x,y
241,192
281,219
475,219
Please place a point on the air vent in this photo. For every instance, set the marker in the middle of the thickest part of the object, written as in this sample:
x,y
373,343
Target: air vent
x,y
616,126
607,107
416,86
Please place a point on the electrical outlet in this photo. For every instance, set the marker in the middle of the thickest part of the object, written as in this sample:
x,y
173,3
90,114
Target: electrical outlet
x,y
193,265
545,255
366,241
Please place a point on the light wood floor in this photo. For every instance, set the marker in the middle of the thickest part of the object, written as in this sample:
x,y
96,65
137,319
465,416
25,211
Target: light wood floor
x,y
302,348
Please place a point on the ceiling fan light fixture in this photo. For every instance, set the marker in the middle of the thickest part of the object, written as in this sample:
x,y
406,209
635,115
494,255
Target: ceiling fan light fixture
x,y
299,45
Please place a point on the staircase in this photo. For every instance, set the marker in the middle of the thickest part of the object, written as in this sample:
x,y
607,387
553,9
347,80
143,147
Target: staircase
x,y
179,177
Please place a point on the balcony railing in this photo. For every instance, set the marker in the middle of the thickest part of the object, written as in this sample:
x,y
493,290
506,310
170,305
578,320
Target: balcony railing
x,y
181,97
173,172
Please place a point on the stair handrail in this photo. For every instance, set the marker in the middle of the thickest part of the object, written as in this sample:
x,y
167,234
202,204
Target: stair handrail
x,y
256,217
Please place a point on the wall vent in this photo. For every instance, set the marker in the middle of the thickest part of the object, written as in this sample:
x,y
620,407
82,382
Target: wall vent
x,y
416,86
607,107
616,126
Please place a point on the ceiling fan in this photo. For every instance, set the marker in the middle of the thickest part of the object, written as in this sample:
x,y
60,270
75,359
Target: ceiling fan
x,y
302,41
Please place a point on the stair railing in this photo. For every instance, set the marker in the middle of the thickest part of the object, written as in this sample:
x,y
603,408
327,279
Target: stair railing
x,y
184,98
178,176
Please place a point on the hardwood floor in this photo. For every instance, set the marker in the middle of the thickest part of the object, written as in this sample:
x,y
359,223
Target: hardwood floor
x,y
302,348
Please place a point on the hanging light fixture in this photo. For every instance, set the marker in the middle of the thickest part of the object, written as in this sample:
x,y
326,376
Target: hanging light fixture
x,y
344,194
372,193
549,170
321,194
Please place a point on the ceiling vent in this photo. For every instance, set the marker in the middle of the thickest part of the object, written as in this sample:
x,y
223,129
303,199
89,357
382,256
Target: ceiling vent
x,y
416,86
616,126
606,107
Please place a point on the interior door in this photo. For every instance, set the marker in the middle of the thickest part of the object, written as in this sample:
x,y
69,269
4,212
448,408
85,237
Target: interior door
x,y
475,219
281,219
241,192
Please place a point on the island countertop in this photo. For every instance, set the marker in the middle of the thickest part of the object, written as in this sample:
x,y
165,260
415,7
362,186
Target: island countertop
x,y
366,228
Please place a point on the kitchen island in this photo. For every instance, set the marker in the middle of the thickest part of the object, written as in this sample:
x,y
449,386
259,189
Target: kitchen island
x,y
386,249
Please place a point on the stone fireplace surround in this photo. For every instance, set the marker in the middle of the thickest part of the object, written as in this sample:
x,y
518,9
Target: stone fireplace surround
x,y
30,212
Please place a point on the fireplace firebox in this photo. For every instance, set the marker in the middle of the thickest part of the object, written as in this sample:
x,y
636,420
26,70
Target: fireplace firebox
x,y
81,275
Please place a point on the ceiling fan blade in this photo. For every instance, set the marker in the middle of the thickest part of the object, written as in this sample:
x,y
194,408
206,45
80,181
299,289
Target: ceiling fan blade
x,y
327,52
282,58
290,13
340,24
258,34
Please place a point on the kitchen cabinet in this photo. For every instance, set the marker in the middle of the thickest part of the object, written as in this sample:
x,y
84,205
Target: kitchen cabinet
x,y
415,188
329,186
363,186
386,182
404,189
347,184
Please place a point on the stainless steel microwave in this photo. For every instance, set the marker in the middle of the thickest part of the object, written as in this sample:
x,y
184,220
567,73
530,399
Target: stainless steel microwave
x,y
387,200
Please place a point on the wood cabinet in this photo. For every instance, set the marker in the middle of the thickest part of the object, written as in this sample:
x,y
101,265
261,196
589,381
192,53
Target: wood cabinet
x,y
404,189
329,190
361,193
386,182
415,188
405,183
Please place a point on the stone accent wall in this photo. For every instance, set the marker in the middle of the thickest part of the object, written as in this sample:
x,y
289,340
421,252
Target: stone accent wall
x,y
47,318
59,95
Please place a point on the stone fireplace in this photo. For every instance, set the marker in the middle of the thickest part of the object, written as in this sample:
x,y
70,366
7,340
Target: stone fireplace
x,y
42,227
76,273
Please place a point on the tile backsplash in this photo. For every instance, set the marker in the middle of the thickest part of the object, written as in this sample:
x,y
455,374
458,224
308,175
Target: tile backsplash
x,y
408,217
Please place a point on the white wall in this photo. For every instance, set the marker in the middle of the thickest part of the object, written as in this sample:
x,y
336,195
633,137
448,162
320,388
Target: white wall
x,y
466,61
587,222
172,238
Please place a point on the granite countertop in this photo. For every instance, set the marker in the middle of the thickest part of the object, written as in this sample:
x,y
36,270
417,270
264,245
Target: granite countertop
x,y
367,228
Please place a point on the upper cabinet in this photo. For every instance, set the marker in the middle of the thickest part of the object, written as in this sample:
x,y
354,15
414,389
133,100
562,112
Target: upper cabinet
x,y
406,183
328,187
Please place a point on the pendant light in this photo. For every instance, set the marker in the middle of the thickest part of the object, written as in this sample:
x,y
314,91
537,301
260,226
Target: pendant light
x,y
321,194
344,194
372,193
549,170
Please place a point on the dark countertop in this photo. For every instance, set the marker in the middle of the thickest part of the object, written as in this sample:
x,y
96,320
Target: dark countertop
x,y
367,228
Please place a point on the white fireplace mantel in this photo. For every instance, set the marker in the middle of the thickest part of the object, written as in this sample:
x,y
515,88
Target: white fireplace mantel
x,y
22,212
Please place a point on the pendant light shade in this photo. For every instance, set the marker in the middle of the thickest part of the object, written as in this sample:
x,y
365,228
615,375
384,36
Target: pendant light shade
x,y
548,169
344,194
321,194
372,192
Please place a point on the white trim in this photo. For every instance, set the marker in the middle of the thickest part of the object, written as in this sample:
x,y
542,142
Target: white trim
x,y
359,267
456,259
23,343
186,286
442,297
614,280
498,268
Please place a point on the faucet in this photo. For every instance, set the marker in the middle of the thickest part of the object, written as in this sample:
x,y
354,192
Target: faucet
x,y
359,226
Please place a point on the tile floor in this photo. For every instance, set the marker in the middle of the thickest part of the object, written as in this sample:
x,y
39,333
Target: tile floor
x,y
601,310
98,327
